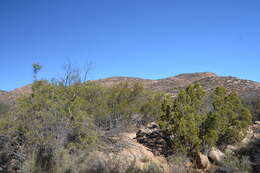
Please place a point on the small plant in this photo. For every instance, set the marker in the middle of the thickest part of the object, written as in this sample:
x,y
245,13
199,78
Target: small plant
x,y
4,108
178,163
151,168
234,164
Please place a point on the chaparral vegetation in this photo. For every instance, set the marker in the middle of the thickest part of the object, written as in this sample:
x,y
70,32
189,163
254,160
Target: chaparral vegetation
x,y
56,127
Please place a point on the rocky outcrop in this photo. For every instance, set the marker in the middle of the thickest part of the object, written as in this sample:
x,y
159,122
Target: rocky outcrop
x,y
134,153
202,161
154,139
245,88
195,76
216,155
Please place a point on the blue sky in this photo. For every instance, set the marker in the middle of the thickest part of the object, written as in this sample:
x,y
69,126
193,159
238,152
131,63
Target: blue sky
x,y
140,38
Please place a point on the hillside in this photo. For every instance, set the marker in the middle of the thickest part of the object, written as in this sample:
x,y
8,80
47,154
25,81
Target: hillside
x,y
170,84
208,80
243,87
10,97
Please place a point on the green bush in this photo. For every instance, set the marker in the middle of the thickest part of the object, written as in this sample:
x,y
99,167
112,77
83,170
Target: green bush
x,y
53,116
253,103
50,118
234,164
125,103
194,124
183,117
4,108
228,121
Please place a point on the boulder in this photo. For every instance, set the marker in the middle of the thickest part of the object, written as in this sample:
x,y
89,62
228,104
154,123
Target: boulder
x,y
153,125
143,132
231,148
216,155
132,153
154,139
257,122
202,161
248,137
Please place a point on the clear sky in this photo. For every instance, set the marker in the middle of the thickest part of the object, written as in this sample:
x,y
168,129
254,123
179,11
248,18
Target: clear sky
x,y
139,38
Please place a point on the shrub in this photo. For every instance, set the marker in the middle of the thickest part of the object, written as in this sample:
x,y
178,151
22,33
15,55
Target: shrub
x,y
4,108
183,117
194,127
228,121
125,103
51,117
59,161
253,103
51,114
178,161
234,164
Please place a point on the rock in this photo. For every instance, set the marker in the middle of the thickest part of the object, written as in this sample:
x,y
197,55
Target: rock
x,y
143,132
154,139
246,141
153,135
202,161
142,140
153,125
257,122
231,148
256,136
249,136
140,134
216,155
132,153
160,141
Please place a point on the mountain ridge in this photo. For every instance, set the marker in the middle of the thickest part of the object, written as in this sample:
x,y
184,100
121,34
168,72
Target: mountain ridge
x,y
173,84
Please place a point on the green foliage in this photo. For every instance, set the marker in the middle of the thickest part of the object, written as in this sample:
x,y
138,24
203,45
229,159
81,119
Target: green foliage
x,y
123,103
47,161
183,117
52,116
229,119
253,103
58,116
234,164
193,126
36,68
70,115
150,108
4,108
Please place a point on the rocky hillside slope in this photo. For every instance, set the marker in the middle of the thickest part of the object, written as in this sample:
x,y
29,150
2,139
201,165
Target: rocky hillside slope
x,y
207,80
10,97
245,88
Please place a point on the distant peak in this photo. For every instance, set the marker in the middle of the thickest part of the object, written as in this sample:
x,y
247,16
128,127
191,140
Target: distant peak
x,y
197,74
23,90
